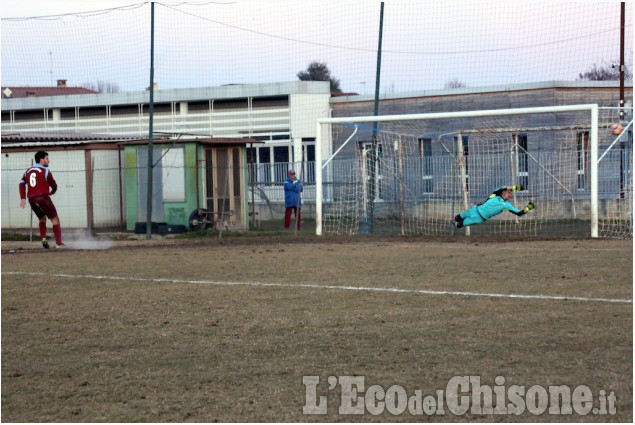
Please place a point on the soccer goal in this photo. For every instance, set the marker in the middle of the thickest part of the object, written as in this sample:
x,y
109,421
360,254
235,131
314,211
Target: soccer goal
x,y
411,174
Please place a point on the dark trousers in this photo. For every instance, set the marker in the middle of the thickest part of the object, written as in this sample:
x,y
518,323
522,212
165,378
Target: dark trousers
x,y
287,216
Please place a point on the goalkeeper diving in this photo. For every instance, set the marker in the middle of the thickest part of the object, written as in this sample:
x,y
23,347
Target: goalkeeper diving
x,y
495,204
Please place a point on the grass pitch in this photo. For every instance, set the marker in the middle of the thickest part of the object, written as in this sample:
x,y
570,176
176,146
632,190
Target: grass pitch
x,y
189,330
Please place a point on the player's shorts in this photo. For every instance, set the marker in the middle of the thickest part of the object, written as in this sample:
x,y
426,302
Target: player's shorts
x,y
43,206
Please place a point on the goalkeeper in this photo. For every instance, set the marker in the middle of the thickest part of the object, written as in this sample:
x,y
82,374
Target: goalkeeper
x,y
495,204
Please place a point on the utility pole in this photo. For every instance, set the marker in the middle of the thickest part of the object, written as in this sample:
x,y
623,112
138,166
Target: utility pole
x,y
622,25
150,130
367,225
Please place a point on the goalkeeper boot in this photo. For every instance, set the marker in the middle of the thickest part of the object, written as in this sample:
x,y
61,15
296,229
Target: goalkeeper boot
x,y
45,243
458,221
60,246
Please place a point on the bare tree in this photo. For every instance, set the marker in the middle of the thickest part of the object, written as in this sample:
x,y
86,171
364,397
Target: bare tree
x,y
319,71
102,86
454,83
604,73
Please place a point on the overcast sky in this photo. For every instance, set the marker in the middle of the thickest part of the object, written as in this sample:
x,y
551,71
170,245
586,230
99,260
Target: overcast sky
x,y
21,9
27,8
426,44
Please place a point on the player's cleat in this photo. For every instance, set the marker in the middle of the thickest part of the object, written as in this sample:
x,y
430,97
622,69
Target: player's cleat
x,y
61,246
45,243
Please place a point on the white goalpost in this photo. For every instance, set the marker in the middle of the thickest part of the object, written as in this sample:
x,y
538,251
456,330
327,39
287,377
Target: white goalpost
x,y
411,174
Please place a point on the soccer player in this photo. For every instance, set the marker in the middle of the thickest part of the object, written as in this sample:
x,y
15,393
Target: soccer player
x,y
292,199
495,204
38,179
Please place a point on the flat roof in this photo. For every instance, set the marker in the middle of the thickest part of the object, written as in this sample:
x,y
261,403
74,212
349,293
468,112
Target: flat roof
x,y
485,89
12,140
226,92
203,141
57,136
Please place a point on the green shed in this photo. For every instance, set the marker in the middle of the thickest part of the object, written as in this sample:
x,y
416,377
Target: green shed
x,y
196,183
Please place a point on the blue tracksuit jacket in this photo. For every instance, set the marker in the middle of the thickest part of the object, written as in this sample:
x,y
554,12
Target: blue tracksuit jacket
x,y
292,189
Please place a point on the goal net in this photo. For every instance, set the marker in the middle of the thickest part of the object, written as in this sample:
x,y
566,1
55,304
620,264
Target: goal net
x,y
411,174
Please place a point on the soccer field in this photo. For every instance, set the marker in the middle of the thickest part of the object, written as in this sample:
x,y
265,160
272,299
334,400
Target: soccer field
x,y
236,330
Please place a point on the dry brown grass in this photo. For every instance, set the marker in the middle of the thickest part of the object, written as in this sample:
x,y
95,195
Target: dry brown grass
x,y
76,348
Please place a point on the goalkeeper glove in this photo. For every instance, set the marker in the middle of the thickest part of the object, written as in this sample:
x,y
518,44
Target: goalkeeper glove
x,y
530,206
517,187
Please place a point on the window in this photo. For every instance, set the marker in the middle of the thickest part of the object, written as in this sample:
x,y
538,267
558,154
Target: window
x,y
173,174
583,158
308,147
427,172
522,161
271,163
281,162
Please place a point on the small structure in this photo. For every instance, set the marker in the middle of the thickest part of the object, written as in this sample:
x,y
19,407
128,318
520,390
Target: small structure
x,y
207,175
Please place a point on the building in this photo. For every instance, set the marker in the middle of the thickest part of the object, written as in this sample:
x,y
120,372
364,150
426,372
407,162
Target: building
x,y
43,91
282,116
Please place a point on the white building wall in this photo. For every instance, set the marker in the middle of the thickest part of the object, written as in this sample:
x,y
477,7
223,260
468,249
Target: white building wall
x,y
305,109
106,187
13,167
70,200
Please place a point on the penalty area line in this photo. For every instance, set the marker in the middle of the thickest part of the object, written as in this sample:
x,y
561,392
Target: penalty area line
x,y
332,287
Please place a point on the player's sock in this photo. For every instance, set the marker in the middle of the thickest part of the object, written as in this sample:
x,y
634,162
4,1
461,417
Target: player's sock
x,y
43,230
57,231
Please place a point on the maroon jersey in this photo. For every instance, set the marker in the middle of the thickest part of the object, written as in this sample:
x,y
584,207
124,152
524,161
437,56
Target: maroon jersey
x,y
38,179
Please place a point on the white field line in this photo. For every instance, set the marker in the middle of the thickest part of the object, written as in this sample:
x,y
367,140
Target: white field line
x,y
334,287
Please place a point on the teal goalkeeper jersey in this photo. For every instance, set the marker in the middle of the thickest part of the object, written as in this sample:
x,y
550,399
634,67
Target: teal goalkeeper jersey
x,y
494,206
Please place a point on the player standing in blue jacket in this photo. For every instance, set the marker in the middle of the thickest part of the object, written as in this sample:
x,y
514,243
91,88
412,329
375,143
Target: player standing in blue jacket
x,y
495,204
292,201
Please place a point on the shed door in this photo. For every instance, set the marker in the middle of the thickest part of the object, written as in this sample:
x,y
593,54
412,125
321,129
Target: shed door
x,y
225,184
